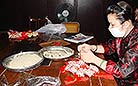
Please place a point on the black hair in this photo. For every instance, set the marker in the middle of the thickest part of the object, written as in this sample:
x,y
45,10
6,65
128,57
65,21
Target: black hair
x,y
123,10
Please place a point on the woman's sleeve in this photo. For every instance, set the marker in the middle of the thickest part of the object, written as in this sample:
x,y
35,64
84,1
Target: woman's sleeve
x,y
126,65
109,47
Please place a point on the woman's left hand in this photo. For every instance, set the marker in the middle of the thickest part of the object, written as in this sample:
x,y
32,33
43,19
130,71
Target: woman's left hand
x,y
88,56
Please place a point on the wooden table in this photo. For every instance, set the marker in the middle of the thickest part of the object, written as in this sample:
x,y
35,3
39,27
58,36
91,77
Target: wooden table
x,y
52,70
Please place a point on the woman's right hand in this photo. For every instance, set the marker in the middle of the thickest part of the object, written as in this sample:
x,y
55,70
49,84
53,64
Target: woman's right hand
x,y
86,47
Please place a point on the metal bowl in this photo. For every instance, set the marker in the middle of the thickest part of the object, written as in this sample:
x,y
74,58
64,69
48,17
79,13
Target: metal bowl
x,y
9,59
43,81
67,52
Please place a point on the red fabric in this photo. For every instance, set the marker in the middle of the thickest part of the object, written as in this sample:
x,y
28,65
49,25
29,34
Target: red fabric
x,y
135,84
70,80
15,35
56,43
104,75
75,76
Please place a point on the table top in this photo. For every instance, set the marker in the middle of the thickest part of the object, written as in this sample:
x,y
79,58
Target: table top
x,y
102,78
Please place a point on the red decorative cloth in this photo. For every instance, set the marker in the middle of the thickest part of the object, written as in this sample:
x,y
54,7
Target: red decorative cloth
x,y
21,35
79,70
104,75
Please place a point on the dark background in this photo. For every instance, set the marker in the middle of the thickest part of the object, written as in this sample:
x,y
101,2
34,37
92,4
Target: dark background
x,y
91,14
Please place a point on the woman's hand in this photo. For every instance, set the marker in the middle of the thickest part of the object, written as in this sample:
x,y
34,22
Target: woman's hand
x,y
94,48
86,47
88,56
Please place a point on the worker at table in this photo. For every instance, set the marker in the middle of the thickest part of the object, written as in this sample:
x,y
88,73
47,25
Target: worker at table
x,y
125,45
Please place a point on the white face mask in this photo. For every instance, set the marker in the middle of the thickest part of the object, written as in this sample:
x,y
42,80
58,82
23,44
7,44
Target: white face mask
x,y
116,32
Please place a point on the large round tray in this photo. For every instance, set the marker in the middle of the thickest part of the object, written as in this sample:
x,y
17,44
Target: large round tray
x,y
66,52
7,60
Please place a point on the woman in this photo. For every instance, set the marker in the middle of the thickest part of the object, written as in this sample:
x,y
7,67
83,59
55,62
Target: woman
x,y
125,46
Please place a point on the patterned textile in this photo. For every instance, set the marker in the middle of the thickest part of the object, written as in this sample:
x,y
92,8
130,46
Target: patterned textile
x,y
125,70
